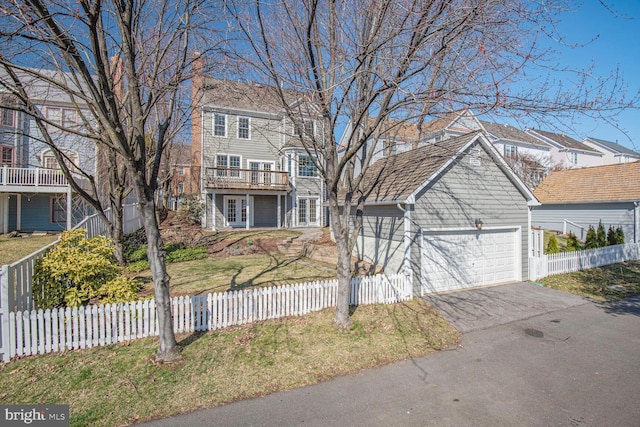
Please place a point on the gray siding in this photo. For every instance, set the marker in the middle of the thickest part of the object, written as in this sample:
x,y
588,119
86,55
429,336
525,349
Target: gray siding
x,y
551,217
474,187
381,240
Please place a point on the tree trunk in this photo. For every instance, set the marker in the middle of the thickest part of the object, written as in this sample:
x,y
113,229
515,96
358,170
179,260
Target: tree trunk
x,y
168,350
117,233
343,268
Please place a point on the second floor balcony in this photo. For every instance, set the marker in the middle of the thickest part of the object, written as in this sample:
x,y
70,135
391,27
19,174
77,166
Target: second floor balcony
x,y
15,178
246,179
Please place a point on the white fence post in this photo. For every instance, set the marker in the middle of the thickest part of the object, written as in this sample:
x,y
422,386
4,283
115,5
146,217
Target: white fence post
x,y
5,330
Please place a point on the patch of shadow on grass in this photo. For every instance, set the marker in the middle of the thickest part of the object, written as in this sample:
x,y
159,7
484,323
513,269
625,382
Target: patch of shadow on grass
x,y
187,341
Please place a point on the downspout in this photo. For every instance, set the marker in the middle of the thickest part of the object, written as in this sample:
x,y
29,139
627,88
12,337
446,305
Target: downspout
x,y
408,271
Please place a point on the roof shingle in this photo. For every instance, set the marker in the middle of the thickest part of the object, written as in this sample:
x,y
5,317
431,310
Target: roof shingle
x,y
618,182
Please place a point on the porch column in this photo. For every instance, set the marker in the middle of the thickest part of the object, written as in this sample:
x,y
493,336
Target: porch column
x,y
248,222
213,212
69,208
19,212
279,210
4,207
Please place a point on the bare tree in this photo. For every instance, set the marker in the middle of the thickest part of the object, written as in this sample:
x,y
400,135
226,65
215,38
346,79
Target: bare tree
x,y
127,62
364,62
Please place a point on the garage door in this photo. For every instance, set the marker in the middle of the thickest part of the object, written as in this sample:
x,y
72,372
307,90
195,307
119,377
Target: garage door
x,y
463,259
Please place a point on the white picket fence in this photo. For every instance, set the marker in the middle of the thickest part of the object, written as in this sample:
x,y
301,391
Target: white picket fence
x,y
568,262
45,331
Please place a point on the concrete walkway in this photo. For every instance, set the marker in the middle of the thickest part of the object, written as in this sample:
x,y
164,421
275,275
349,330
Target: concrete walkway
x,y
577,366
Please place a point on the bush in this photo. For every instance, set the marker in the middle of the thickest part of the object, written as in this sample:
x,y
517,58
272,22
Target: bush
x,y
137,258
194,207
552,245
612,239
619,236
601,236
76,270
572,243
591,242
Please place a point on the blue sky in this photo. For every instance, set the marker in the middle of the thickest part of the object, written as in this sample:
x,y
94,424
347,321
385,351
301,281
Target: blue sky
x,y
616,44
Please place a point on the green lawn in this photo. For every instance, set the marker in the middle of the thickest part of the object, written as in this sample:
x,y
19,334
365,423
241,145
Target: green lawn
x,y
608,283
215,274
13,249
119,384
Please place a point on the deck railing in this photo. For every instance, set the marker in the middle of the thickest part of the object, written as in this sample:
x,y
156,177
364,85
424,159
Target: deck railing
x,y
231,178
31,177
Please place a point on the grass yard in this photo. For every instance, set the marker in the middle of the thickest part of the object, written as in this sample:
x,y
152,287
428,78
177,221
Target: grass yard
x,y
218,274
116,385
608,283
13,249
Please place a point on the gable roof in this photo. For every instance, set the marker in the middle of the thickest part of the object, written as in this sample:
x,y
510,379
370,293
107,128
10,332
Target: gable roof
x,y
397,179
561,140
609,183
245,96
613,147
509,133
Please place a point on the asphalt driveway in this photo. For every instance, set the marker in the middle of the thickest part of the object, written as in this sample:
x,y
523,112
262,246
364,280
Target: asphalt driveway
x,y
482,308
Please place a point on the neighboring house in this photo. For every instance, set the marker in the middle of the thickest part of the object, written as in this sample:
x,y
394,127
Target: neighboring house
x,y
566,152
34,194
452,214
613,152
574,199
248,160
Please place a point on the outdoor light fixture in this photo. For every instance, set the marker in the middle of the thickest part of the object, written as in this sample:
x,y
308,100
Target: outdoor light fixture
x,y
479,224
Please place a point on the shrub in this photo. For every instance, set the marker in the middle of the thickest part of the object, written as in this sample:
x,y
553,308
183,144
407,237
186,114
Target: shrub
x,y
619,236
120,289
552,245
601,236
194,207
75,271
591,242
572,243
612,239
138,262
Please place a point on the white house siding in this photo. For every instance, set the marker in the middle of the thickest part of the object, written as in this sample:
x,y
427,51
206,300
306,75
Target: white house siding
x,y
564,159
474,187
553,216
381,239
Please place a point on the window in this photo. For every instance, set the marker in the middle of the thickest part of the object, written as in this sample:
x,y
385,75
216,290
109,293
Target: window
x,y
58,210
54,115
181,170
243,128
574,158
8,117
510,151
69,119
49,161
6,155
306,128
306,166
181,187
219,124
226,165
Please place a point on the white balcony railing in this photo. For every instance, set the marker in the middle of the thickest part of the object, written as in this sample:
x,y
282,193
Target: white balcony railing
x,y
31,177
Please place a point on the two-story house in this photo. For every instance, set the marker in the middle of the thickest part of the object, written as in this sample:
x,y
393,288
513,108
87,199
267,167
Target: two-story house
x,y
34,194
248,158
566,152
612,152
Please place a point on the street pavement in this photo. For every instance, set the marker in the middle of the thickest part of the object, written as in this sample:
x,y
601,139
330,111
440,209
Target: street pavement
x,y
567,363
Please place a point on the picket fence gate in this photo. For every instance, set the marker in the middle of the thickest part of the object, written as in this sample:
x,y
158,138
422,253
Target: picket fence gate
x,y
44,331
568,262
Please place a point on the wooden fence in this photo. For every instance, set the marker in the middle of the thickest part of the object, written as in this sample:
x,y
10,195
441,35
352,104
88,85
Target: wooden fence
x,y
567,262
45,331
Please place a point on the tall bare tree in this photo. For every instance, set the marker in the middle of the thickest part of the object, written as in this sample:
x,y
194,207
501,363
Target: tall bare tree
x,y
365,61
127,62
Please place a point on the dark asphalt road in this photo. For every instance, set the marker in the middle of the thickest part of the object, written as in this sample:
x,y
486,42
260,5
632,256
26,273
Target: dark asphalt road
x,y
577,365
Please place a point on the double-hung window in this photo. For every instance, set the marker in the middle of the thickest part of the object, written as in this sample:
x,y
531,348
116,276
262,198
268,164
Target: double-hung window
x,y
306,167
8,117
244,128
219,124
510,151
6,155
304,128
228,165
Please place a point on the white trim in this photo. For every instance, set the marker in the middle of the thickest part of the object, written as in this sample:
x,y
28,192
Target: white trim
x,y
238,223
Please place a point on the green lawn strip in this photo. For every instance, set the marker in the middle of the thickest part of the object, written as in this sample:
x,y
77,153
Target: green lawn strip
x,y
240,272
608,283
13,249
118,384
